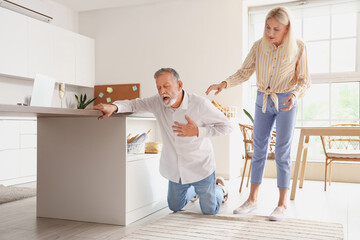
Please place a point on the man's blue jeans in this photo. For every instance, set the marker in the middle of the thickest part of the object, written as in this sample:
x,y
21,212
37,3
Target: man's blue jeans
x,y
264,122
210,195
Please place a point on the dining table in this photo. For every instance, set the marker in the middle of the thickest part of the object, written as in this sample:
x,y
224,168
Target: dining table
x,y
302,151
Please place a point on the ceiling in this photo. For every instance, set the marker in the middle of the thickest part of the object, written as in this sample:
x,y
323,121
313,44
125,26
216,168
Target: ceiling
x,y
88,5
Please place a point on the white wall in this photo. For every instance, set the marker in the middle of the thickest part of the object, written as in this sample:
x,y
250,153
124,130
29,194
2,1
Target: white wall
x,y
201,39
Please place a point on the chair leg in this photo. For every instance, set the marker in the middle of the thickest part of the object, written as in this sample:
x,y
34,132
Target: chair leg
x,y
243,175
330,166
247,184
326,164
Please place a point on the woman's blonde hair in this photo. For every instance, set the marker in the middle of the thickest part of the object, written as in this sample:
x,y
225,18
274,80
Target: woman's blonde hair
x,y
282,15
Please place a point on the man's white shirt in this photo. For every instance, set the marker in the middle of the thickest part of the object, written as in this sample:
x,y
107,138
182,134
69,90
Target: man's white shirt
x,y
189,158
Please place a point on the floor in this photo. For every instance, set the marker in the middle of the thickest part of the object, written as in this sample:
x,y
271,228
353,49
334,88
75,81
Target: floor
x,y
340,203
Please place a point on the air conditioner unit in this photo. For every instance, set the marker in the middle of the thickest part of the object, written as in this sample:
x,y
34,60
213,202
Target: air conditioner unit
x,y
24,10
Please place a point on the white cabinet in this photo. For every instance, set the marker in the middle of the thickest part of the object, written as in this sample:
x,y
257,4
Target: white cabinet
x,y
27,162
17,151
85,174
228,150
64,56
9,164
146,189
9,135
13,43
29,46
41,49
85,61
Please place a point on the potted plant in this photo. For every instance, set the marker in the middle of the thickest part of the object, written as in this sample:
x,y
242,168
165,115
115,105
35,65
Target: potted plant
x,y
249,116
82,103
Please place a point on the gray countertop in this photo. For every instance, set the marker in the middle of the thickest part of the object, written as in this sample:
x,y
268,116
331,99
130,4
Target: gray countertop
x,y
27,111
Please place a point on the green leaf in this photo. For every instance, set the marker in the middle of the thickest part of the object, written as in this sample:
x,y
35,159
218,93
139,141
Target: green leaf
x,y
77,99
248,115
90,101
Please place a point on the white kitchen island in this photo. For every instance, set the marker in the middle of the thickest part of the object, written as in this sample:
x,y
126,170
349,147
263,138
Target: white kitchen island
x,y
83,170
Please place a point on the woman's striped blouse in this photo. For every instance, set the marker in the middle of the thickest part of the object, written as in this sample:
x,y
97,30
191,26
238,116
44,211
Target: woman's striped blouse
x,y
274,73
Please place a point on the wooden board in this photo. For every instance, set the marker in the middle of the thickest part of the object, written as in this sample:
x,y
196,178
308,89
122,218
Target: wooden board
x,y
111,93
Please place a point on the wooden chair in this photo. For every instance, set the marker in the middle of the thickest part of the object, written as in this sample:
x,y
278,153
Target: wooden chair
x,y
247,131
340,149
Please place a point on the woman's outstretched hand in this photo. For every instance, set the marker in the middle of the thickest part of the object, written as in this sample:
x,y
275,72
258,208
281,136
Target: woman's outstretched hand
x,y
216,87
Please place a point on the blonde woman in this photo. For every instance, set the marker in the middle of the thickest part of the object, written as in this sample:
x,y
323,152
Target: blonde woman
x,y
280,62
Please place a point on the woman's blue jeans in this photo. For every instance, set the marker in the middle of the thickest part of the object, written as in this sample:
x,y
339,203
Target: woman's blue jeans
x,y
263,125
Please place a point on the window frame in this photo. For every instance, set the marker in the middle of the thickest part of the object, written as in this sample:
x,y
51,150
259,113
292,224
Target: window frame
x,y
316,78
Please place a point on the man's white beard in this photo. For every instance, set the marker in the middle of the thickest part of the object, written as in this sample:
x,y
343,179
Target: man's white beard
x,y
169,102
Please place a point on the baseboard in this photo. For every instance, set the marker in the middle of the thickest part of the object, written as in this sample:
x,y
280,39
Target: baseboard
x,y
144,211
16,181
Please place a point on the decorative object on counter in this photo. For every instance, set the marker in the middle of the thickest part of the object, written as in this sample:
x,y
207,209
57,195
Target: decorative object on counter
x,y
111,93
43,90
131,139
82,103
69,103
153,147
61,89
229,111
249,116
136,144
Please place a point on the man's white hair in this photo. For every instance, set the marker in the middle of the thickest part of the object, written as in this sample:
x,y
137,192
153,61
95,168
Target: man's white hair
x,y
162,71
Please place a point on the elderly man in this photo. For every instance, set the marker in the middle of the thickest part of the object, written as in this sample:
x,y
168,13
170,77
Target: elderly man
x,y
187,121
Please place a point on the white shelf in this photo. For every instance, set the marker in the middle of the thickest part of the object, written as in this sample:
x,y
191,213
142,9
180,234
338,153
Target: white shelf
x,y
142,116
136,157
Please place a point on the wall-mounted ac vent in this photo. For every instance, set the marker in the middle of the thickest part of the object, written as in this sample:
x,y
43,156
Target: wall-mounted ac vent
x,y
24,10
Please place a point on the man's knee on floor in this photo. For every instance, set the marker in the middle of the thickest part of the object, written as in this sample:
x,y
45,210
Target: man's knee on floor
x,y
175,206
209,212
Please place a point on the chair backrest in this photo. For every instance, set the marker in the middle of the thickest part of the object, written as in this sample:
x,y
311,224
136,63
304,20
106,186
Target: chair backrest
x,y
341,142
247,131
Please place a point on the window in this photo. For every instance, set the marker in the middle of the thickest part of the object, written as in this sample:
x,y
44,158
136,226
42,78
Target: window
x,y
331,32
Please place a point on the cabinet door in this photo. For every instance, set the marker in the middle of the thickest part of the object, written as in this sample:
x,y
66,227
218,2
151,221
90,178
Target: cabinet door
x,y
9,135
64,56
28,162
13,43
28,146
41,48
9,164
144,184
85,61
